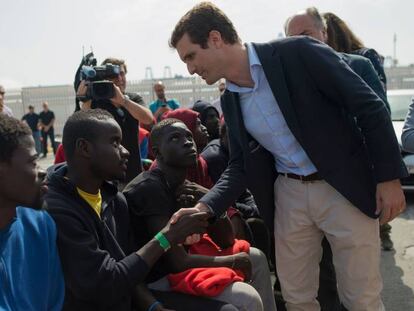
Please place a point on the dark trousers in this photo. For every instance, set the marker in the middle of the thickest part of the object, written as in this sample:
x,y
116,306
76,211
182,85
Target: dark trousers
x,y
51,134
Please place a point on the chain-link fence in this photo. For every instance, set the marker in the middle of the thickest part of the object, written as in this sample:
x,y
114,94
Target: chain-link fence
x,y
61,98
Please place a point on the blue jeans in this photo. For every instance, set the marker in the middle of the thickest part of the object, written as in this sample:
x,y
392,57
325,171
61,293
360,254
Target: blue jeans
x,y
38,145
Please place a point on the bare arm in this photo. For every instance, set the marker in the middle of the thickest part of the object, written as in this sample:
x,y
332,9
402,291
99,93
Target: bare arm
x,y
81,91
139,112
179,260
51,123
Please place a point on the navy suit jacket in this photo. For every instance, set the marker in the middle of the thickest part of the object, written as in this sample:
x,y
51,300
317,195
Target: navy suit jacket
x,y
342,125
363,67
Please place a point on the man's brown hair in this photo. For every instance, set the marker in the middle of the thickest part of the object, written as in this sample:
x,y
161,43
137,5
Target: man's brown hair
x,y
115,61
199,21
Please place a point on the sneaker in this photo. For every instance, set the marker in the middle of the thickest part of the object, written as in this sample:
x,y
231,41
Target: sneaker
x,y
386,243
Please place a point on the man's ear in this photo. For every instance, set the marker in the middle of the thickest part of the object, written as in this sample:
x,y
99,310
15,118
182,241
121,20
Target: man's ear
x,y
214,37
83,148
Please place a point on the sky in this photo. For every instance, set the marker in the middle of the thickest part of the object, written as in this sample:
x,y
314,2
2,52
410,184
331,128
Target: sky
x,y
41,40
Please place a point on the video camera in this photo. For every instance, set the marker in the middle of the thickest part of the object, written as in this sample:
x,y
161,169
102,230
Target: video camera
x,y
98,88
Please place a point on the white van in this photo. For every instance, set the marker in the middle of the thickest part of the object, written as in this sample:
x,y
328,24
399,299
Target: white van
x,y
399,101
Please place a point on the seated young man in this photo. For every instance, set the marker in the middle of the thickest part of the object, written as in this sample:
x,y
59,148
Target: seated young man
x,y
152,197
30,272
100,271
200,172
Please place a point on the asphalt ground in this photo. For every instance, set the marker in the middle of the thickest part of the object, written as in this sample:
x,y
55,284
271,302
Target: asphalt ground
x,y
397,266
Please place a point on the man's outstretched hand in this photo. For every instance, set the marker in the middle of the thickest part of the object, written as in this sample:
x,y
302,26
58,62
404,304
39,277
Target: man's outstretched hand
x,y
186,225
199,207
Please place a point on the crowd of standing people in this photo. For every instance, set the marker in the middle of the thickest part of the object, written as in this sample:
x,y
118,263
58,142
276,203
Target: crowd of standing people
x,y
295,169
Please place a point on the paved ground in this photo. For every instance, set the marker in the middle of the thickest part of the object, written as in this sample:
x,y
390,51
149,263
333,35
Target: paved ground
x,y
397,266
44,163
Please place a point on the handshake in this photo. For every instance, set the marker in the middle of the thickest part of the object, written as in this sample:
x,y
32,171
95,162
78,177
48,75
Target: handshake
x,y
186,225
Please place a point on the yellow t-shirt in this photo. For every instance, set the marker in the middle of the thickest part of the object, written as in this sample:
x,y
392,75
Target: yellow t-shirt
x,y
94,200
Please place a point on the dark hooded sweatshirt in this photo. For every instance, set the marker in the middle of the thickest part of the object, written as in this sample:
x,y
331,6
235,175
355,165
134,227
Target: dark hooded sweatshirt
x,y
201,107
98,275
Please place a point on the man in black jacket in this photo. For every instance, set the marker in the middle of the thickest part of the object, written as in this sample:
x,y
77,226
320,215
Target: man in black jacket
x,y
100,271
293,107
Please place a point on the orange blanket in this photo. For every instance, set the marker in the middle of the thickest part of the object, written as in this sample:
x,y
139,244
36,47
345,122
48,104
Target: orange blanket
x,y
208,281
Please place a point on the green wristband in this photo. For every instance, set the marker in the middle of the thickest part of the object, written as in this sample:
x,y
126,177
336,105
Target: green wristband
x,y
164,243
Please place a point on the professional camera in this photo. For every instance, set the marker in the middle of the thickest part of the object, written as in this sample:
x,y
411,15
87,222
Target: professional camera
x,y
98,88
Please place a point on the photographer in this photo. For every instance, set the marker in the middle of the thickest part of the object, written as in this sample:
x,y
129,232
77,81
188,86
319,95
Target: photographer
x,y
128,110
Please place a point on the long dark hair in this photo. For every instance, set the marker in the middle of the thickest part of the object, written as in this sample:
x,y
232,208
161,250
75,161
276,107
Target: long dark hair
x,y
340,36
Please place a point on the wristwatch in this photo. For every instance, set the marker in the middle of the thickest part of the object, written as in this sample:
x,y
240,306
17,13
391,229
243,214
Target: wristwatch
x,y
126,98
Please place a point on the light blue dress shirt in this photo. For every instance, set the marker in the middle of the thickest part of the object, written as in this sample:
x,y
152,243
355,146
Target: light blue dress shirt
x,y
265,122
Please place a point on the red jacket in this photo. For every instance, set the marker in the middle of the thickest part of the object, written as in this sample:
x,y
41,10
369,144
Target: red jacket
x,y
60,155
208,281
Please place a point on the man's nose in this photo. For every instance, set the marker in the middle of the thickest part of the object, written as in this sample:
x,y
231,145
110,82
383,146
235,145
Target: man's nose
x,y
191,69
188,142
124,152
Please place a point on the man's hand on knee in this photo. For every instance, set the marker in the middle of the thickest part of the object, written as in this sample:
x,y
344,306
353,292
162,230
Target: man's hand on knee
x,y
242,262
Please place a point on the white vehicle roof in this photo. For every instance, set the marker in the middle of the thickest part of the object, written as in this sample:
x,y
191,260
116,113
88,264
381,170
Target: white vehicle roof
x,y
401,92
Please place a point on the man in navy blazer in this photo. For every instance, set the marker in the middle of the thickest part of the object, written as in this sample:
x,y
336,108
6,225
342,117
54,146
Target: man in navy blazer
x,y
310,22
295,109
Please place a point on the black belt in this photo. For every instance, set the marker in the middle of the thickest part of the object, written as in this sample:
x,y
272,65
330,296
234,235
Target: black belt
x,y
311,177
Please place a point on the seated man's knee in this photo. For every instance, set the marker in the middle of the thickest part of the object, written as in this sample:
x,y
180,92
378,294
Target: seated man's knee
x,y
258,258
248,298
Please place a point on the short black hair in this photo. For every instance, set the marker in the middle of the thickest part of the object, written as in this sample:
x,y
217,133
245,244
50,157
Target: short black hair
x,y
158,130
11,131
82,124
199,21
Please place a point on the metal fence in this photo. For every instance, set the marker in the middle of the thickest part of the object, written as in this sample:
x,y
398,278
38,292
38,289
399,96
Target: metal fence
x,y
61,98
186,90
400,77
